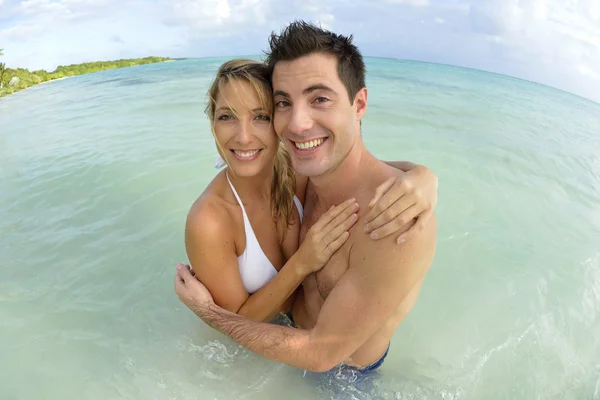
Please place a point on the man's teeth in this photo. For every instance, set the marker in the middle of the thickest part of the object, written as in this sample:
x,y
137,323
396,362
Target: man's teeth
x,y
245,154
309,145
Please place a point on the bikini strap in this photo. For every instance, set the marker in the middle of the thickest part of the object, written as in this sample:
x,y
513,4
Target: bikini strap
x,y
236,195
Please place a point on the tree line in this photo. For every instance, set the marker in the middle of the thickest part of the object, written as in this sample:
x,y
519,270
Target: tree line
x,y
28,78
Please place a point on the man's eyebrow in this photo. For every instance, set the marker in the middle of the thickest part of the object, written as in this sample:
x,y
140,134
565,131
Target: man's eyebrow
x,y
318,86
308,90
280,93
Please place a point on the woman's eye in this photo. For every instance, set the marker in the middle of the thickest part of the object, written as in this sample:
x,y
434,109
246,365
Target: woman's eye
x,y
224,117
263,117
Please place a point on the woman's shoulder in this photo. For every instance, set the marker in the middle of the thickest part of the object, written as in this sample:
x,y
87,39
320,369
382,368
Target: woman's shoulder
x,y
211,212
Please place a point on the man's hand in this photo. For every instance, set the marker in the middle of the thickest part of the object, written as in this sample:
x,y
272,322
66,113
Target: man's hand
x,y
190,290
401,199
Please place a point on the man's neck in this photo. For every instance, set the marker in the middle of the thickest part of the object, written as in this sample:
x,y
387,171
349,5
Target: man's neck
x,y
343,182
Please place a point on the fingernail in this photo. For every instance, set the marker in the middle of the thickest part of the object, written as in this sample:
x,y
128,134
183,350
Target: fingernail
x,y
401,239
179,267
367,228
374,235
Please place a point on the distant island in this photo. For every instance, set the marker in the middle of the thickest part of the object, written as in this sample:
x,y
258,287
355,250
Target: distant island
x,y
14,79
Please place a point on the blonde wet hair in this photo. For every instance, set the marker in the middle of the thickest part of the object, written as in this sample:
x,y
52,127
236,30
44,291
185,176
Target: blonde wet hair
x,y
257,74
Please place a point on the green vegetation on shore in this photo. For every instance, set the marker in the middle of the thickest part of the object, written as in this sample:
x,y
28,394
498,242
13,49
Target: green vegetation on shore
x,y
27,78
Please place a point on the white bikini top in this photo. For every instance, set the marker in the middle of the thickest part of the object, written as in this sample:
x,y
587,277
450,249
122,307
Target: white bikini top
x,y
255,268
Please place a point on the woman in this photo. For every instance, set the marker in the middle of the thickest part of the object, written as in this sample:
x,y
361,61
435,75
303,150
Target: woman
x,y
242,232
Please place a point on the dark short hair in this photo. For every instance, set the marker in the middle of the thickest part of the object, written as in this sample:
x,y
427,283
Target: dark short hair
x,y
302,38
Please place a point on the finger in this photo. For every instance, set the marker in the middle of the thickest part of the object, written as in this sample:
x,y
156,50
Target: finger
x,y
395,193
334,212
400,224
178,283
337,243
190,269
339,229
381,189
416,228
392,212
341,218
185,273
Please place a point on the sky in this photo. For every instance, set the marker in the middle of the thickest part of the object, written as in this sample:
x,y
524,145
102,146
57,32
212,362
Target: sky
x,y
553,42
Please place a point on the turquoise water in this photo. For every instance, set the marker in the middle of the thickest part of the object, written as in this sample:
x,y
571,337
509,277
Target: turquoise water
x,y
97,173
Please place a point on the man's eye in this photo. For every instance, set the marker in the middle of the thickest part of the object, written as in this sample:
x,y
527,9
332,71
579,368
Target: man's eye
x,y
282,103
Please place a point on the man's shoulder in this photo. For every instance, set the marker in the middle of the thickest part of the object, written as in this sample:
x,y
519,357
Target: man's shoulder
x,y
417,252
373,173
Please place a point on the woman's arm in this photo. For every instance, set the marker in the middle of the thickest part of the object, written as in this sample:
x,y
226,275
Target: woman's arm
x,y
412,194
404,166
212,253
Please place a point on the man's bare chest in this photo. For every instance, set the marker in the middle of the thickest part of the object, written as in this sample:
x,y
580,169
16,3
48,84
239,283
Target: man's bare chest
x,y
323,281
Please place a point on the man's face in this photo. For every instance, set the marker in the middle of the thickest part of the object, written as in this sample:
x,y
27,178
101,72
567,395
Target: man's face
x,y
313,114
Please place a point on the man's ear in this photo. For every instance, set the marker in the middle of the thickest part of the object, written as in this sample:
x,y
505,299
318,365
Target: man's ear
x,y
360,103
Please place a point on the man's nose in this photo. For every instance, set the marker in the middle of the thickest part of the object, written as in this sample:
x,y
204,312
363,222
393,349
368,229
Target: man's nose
x,y
300,121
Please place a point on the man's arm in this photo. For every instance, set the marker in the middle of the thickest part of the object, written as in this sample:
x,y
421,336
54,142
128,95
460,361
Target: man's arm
x,y
361,302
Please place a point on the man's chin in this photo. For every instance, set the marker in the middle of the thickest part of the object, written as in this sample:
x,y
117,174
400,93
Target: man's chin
x,y
310,169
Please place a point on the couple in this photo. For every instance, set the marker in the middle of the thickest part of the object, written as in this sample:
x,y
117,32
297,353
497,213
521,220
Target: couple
x,y
269,236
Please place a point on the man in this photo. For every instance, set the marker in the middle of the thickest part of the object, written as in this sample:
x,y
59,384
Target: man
x,y
348,311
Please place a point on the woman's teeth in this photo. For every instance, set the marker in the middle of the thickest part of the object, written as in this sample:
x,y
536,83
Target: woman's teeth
x,y
309,145
245,154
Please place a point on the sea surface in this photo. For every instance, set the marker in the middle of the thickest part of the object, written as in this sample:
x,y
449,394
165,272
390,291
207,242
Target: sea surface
x,y
97,173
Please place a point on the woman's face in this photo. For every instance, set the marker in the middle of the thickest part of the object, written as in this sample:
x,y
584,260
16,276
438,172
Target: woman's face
x,y
246,135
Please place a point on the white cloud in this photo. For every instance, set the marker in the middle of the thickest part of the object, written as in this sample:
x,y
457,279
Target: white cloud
x,y
202,15
418,3
556,34
554,42
586,70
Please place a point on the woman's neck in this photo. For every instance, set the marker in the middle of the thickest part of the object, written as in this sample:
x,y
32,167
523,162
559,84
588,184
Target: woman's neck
x,y
251,188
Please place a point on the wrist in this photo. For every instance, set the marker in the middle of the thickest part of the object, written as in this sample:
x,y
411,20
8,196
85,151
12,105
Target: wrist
x,y
301,267
202,308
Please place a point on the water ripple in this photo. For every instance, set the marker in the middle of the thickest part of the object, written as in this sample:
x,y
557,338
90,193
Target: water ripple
x,y
99,171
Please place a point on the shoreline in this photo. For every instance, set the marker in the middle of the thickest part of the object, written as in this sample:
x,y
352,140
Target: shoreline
x,y
29,79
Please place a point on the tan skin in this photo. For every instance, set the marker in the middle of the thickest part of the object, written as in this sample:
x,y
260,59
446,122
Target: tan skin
x,y
214,231
348,284
351,307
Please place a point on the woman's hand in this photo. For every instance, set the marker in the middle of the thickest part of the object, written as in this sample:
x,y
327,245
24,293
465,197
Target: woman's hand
x,y
401,199
327,235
